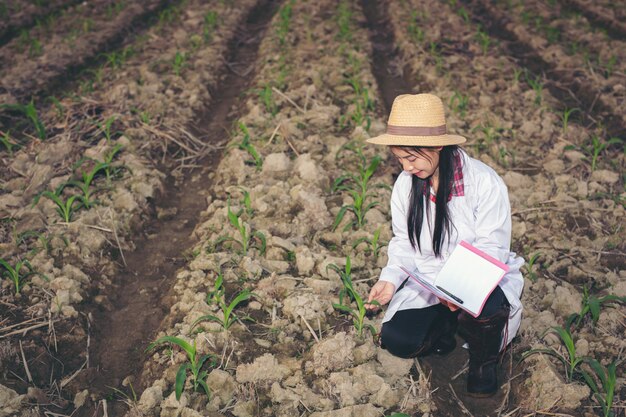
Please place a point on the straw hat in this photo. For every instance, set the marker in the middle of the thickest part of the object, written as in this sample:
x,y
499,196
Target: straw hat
x,y
417,120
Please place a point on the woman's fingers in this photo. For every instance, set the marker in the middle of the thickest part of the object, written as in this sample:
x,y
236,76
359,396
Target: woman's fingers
x,y
381,292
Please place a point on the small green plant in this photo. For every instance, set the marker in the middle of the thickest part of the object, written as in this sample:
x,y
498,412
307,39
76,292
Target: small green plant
x,y
374,244
245,236
267,98
30,112
217,296
349,294
591,305
105,128
483,40
180,61
435,52
461,11
566,116
65,208
356,185
530,266
15,274
5,140
609,66
537,85
344,17
459,103
416,33
117,59
565,353
246,202
246,145
86,180
209,26
43,239
284,22
597,146
108,160
603,392
194,364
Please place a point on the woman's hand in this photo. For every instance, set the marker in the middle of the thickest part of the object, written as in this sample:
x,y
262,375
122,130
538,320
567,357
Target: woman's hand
x,y
382,292
451,306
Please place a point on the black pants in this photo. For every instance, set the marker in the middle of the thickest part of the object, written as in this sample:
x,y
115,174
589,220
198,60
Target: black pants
x,y
407,330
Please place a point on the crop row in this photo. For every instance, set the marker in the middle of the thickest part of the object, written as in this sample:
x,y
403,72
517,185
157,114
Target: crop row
x,y
607,14
268,315
92,206
40,57
557,171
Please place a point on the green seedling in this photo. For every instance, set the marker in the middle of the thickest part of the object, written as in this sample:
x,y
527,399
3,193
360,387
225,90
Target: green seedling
x,y
483,40
267,98
461,11
58,106
436,54
530,266
566,353
246,145
105,128
284,22
209,26
246,201
566,115
351,295
537,85
194,365
598,146
344,17
374,244
604,392
217,296
516,74
5,140
30,112
180,61
416,33
43,239
609,67
108,160
87,179
245,236
591,305
459,103
117,59
65,208
15,274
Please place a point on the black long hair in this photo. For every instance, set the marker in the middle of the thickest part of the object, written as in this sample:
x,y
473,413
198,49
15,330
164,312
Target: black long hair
x,y
420,199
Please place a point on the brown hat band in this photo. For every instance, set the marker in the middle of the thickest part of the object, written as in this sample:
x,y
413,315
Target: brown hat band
x,y
416,130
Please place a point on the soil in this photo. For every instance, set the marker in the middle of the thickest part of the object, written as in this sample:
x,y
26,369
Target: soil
x,y
231,122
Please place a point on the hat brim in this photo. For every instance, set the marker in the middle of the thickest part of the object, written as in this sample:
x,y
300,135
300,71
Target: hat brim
x,y
398,140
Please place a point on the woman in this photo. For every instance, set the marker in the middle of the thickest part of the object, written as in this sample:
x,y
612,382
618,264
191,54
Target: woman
x,y
442,197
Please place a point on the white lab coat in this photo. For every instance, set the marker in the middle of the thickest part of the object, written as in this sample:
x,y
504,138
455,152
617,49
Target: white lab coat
x,y
481,217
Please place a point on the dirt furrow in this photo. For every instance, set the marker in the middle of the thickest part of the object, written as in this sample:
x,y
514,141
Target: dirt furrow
x,y
45,65
612,21
20,16
571,87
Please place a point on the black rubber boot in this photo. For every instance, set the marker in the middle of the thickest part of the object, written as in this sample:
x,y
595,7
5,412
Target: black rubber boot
x,y
484,337
440,339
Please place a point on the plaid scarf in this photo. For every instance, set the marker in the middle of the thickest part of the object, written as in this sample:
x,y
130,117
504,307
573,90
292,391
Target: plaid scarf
x,y
457,182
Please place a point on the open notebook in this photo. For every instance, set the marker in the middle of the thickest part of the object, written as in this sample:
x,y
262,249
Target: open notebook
x,y
467,278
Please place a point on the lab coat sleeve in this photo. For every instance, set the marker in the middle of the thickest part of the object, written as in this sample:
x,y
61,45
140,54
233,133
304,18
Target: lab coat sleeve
x,y
492,215
400,252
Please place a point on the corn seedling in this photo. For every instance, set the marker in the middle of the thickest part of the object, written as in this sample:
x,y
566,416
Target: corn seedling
x,y
357,187
245,235
245,145
246,201
603,392
193,365
537,86
180,61
42,238
284,22
566,115
351,295
65,208
530,266
344,16
87,178
591,305
30,112
598,146
267,98
374,244
436,54
461,11
459,103
5,140
483,40
105,128
416,33
116,59
609,66
566,353
58,106
210,24
217,296
15,274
